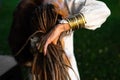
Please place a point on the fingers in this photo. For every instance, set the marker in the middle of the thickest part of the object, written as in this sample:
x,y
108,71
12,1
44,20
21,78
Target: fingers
x,y
46,45
53,37
45,48
42,48
48,42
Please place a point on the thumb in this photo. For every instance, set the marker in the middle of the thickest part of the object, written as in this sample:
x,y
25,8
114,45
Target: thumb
x,y
46,46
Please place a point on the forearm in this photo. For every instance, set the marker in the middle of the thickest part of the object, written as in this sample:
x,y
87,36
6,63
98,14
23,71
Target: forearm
x,y
74,22
63,27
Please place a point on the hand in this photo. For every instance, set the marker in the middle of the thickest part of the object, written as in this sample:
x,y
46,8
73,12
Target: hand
x,y
55,34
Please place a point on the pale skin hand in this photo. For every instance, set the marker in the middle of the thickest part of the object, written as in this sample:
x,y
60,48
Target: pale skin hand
x,y
53,38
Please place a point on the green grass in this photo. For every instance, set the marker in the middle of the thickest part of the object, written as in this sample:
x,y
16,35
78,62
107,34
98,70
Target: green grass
x,y
97,52
6,12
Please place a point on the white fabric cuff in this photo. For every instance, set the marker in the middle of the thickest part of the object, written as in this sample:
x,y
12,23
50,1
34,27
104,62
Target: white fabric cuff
x,y
63,21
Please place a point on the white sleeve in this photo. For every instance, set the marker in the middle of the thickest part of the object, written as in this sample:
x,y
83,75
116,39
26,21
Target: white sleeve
x,y
96,13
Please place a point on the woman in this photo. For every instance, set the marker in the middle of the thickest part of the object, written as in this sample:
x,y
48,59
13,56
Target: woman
x,y
55,65
92,13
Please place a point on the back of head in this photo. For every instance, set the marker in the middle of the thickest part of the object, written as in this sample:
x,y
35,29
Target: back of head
x,y
45,17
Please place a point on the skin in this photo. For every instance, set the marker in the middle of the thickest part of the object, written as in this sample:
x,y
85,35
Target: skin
x,y
53,38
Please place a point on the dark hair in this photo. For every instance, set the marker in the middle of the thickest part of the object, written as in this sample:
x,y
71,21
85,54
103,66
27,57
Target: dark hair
x,y
21,29
53,66
38,22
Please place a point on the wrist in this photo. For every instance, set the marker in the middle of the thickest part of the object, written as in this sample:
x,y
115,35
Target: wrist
x,y
65,26
76,21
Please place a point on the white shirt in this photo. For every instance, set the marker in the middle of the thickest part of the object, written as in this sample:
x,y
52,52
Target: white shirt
x,y
95,13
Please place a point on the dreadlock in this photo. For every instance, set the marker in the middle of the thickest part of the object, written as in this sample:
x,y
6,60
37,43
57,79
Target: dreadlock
x,y
53,66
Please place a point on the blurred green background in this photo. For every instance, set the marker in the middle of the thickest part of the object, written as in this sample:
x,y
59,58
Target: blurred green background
x,y
97,52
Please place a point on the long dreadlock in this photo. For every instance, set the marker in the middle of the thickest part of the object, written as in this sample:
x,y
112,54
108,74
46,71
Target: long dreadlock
x,y
53,66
